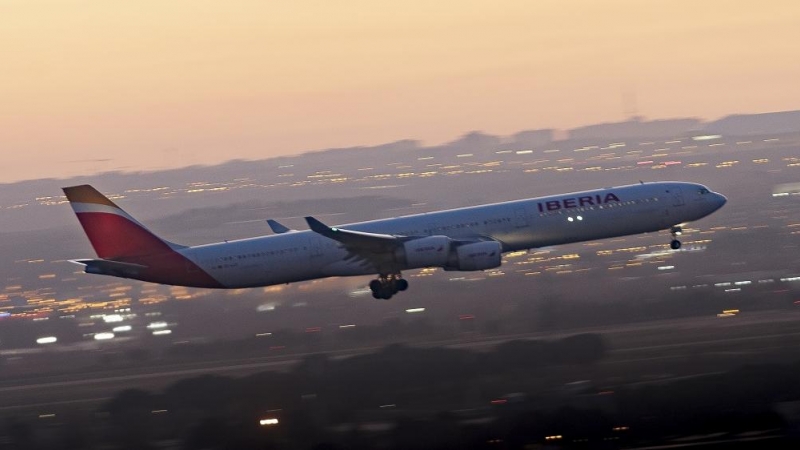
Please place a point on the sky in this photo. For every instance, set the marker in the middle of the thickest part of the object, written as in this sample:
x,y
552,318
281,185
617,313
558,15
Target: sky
x,y
89,86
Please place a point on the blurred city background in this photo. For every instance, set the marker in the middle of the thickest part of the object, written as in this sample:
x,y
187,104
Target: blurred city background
x,y
605,344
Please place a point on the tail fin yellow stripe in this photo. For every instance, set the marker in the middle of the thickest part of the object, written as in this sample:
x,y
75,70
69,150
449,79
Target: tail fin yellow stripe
x,y
87,194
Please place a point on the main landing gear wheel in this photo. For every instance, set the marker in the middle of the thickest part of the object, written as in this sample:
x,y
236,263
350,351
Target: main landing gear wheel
x,y
387,285
401,284
676,231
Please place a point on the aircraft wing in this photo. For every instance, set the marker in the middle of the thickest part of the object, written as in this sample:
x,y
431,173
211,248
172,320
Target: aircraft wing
x,y
109,267
375,249
358,241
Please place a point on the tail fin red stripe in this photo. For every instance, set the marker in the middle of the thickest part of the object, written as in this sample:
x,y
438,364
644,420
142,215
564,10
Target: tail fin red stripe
x,y
115,237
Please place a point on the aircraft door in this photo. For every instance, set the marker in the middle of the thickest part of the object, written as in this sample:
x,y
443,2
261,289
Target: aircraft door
x,y
520,218
674,195
677,196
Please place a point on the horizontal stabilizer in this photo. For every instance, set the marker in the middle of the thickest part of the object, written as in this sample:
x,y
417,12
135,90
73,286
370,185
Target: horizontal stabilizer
x,y
108,267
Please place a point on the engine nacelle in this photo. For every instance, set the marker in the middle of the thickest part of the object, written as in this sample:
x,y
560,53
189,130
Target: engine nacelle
x,y
477,256
431,251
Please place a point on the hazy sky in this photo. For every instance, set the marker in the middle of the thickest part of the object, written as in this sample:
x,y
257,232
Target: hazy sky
x,y
91,85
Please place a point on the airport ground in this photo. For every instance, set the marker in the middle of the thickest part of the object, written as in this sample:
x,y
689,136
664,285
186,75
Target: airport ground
x,y
636,356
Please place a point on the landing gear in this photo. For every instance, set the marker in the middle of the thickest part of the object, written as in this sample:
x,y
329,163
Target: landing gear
x,y
387,285
401,284
676,231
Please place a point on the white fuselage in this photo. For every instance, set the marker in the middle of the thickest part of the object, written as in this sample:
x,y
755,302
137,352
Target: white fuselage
x,y
517,225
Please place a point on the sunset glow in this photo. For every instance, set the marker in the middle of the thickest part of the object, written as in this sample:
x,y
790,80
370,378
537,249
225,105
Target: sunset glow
x,y
114,85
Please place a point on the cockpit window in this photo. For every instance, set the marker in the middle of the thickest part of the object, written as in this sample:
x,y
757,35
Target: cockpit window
x,y
703,191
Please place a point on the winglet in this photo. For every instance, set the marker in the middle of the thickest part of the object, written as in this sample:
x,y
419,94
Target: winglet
x,y
319,227
277,227
372,242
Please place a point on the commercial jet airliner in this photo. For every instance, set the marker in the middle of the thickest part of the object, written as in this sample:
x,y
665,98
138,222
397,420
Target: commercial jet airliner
x,y
466,239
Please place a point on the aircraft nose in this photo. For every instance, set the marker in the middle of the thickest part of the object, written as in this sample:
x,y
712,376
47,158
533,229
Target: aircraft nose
x,y
720,200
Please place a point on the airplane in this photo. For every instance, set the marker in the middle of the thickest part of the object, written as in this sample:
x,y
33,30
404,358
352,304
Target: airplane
x,y
464,239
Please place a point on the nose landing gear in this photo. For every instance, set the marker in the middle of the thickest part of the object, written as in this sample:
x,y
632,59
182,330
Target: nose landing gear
x,y
676,231
387,285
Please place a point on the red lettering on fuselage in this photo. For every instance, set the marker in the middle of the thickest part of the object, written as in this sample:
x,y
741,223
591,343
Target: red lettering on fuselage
x,y
575,202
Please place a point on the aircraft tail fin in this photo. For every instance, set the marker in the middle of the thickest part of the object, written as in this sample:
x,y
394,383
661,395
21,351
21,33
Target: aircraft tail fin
x,y
114,234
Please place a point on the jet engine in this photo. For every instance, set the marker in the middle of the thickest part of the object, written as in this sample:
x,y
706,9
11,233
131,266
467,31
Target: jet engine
x,y
431,251
477,256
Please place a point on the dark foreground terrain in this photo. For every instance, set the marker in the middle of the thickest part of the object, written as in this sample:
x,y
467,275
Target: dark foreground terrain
x,y
705,382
